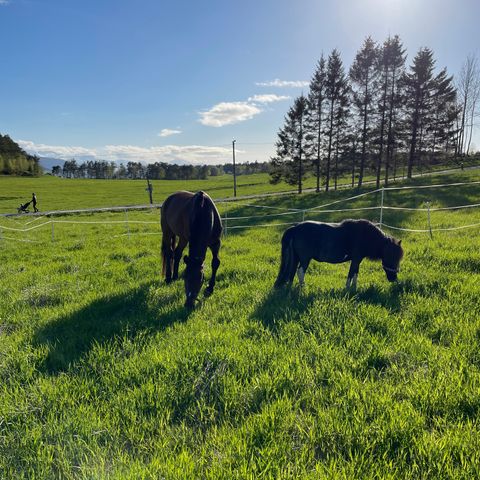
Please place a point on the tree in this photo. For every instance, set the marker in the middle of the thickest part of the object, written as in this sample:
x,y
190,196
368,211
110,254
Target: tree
x,y
289,162
425,94
15,161
390,68
315,115
336,95
468,87
363,75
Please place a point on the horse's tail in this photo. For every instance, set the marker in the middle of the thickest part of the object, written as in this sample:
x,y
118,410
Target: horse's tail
x,y
289,260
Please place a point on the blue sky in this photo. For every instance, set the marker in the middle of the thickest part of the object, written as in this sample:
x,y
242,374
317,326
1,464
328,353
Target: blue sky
x,y
177,80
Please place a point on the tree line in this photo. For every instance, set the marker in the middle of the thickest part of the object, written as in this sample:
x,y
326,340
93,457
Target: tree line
x,y
15,161
153,171
380,118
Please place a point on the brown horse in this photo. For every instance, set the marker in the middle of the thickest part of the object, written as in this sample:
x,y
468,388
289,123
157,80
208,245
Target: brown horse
x,y
348,241
195,220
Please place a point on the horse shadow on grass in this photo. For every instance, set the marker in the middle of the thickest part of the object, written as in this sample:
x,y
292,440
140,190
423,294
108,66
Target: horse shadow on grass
x,y
281,306
71,337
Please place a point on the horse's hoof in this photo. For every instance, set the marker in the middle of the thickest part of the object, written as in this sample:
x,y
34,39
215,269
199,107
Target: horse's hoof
x,y
208,292
168,282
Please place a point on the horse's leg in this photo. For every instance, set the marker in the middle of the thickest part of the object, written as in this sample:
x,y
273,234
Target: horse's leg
x,y
178,255
353,274
215,248
301,270
168,242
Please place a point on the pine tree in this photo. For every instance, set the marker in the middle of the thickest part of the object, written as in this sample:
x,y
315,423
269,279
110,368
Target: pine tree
x,y
363,75
336,95
444,113
291,155
316,116
427,100
390,65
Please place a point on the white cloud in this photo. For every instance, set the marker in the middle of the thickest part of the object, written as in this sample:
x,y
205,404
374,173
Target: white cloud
x,y
284,83
228,113
194,154
4,2
199,154
167,132
268,98
56,151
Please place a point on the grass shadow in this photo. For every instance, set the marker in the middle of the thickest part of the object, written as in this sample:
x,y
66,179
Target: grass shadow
x,y
71,337
388,298
282,305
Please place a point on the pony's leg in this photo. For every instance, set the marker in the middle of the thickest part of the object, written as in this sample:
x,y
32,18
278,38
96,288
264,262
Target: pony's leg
x,y
301,270
353,274
215,248
178,255
167,250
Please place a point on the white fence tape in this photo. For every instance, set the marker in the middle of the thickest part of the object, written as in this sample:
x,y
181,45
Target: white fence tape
x,y
286,211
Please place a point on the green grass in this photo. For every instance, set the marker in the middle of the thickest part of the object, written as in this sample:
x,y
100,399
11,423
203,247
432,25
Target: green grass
x,y
65,194
104,375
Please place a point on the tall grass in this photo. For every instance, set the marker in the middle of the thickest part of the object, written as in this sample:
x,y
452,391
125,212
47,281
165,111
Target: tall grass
x,y
103,374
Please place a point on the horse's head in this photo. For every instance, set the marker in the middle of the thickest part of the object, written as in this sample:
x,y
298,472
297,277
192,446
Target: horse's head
x,y
193,279
392,254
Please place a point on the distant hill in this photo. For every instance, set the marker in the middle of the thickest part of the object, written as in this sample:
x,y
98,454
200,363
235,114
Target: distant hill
x,y
15,161
47,163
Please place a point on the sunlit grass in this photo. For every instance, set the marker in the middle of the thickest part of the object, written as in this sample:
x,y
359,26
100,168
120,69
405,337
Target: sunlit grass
x,y
103,374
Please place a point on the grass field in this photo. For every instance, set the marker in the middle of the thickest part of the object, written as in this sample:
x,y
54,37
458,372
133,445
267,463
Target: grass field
x,y
65,194
104,375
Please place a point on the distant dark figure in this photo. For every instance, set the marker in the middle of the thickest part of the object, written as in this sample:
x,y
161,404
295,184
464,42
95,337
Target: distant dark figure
x,y
351,240
23,208
195,220
34,202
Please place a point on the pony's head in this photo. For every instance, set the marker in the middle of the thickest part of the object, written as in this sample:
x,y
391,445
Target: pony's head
x,y
193,279
392,255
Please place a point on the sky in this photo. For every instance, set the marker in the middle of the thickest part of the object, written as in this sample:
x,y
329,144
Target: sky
x,y
177,80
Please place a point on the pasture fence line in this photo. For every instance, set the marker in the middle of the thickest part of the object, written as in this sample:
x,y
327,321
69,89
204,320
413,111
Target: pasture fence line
x,y
228,219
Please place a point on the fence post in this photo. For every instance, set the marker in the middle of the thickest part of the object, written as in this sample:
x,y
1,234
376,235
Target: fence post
x,y
126,223
381,207
53,231
428,219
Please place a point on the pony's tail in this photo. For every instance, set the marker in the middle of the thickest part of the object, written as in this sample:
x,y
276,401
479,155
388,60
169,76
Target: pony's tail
x,y
288,261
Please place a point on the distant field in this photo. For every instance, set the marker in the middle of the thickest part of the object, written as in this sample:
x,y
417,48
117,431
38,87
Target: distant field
x,y
64,194
104,375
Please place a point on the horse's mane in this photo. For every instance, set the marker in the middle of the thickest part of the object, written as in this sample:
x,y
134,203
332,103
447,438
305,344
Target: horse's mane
x,y
375,234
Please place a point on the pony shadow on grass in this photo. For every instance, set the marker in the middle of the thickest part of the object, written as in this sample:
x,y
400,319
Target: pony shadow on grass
x,y
387,297
70,338
288,304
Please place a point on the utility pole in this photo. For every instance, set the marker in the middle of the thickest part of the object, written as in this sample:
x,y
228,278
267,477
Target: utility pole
x,y
234,172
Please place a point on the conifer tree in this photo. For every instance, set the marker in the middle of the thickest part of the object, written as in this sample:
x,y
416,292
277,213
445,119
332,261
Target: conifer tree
x,y
291,154
316,116
363,75
390,66
336,95
424,94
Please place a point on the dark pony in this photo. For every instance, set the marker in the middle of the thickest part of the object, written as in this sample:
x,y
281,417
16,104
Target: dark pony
x,y
195,220
348,241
